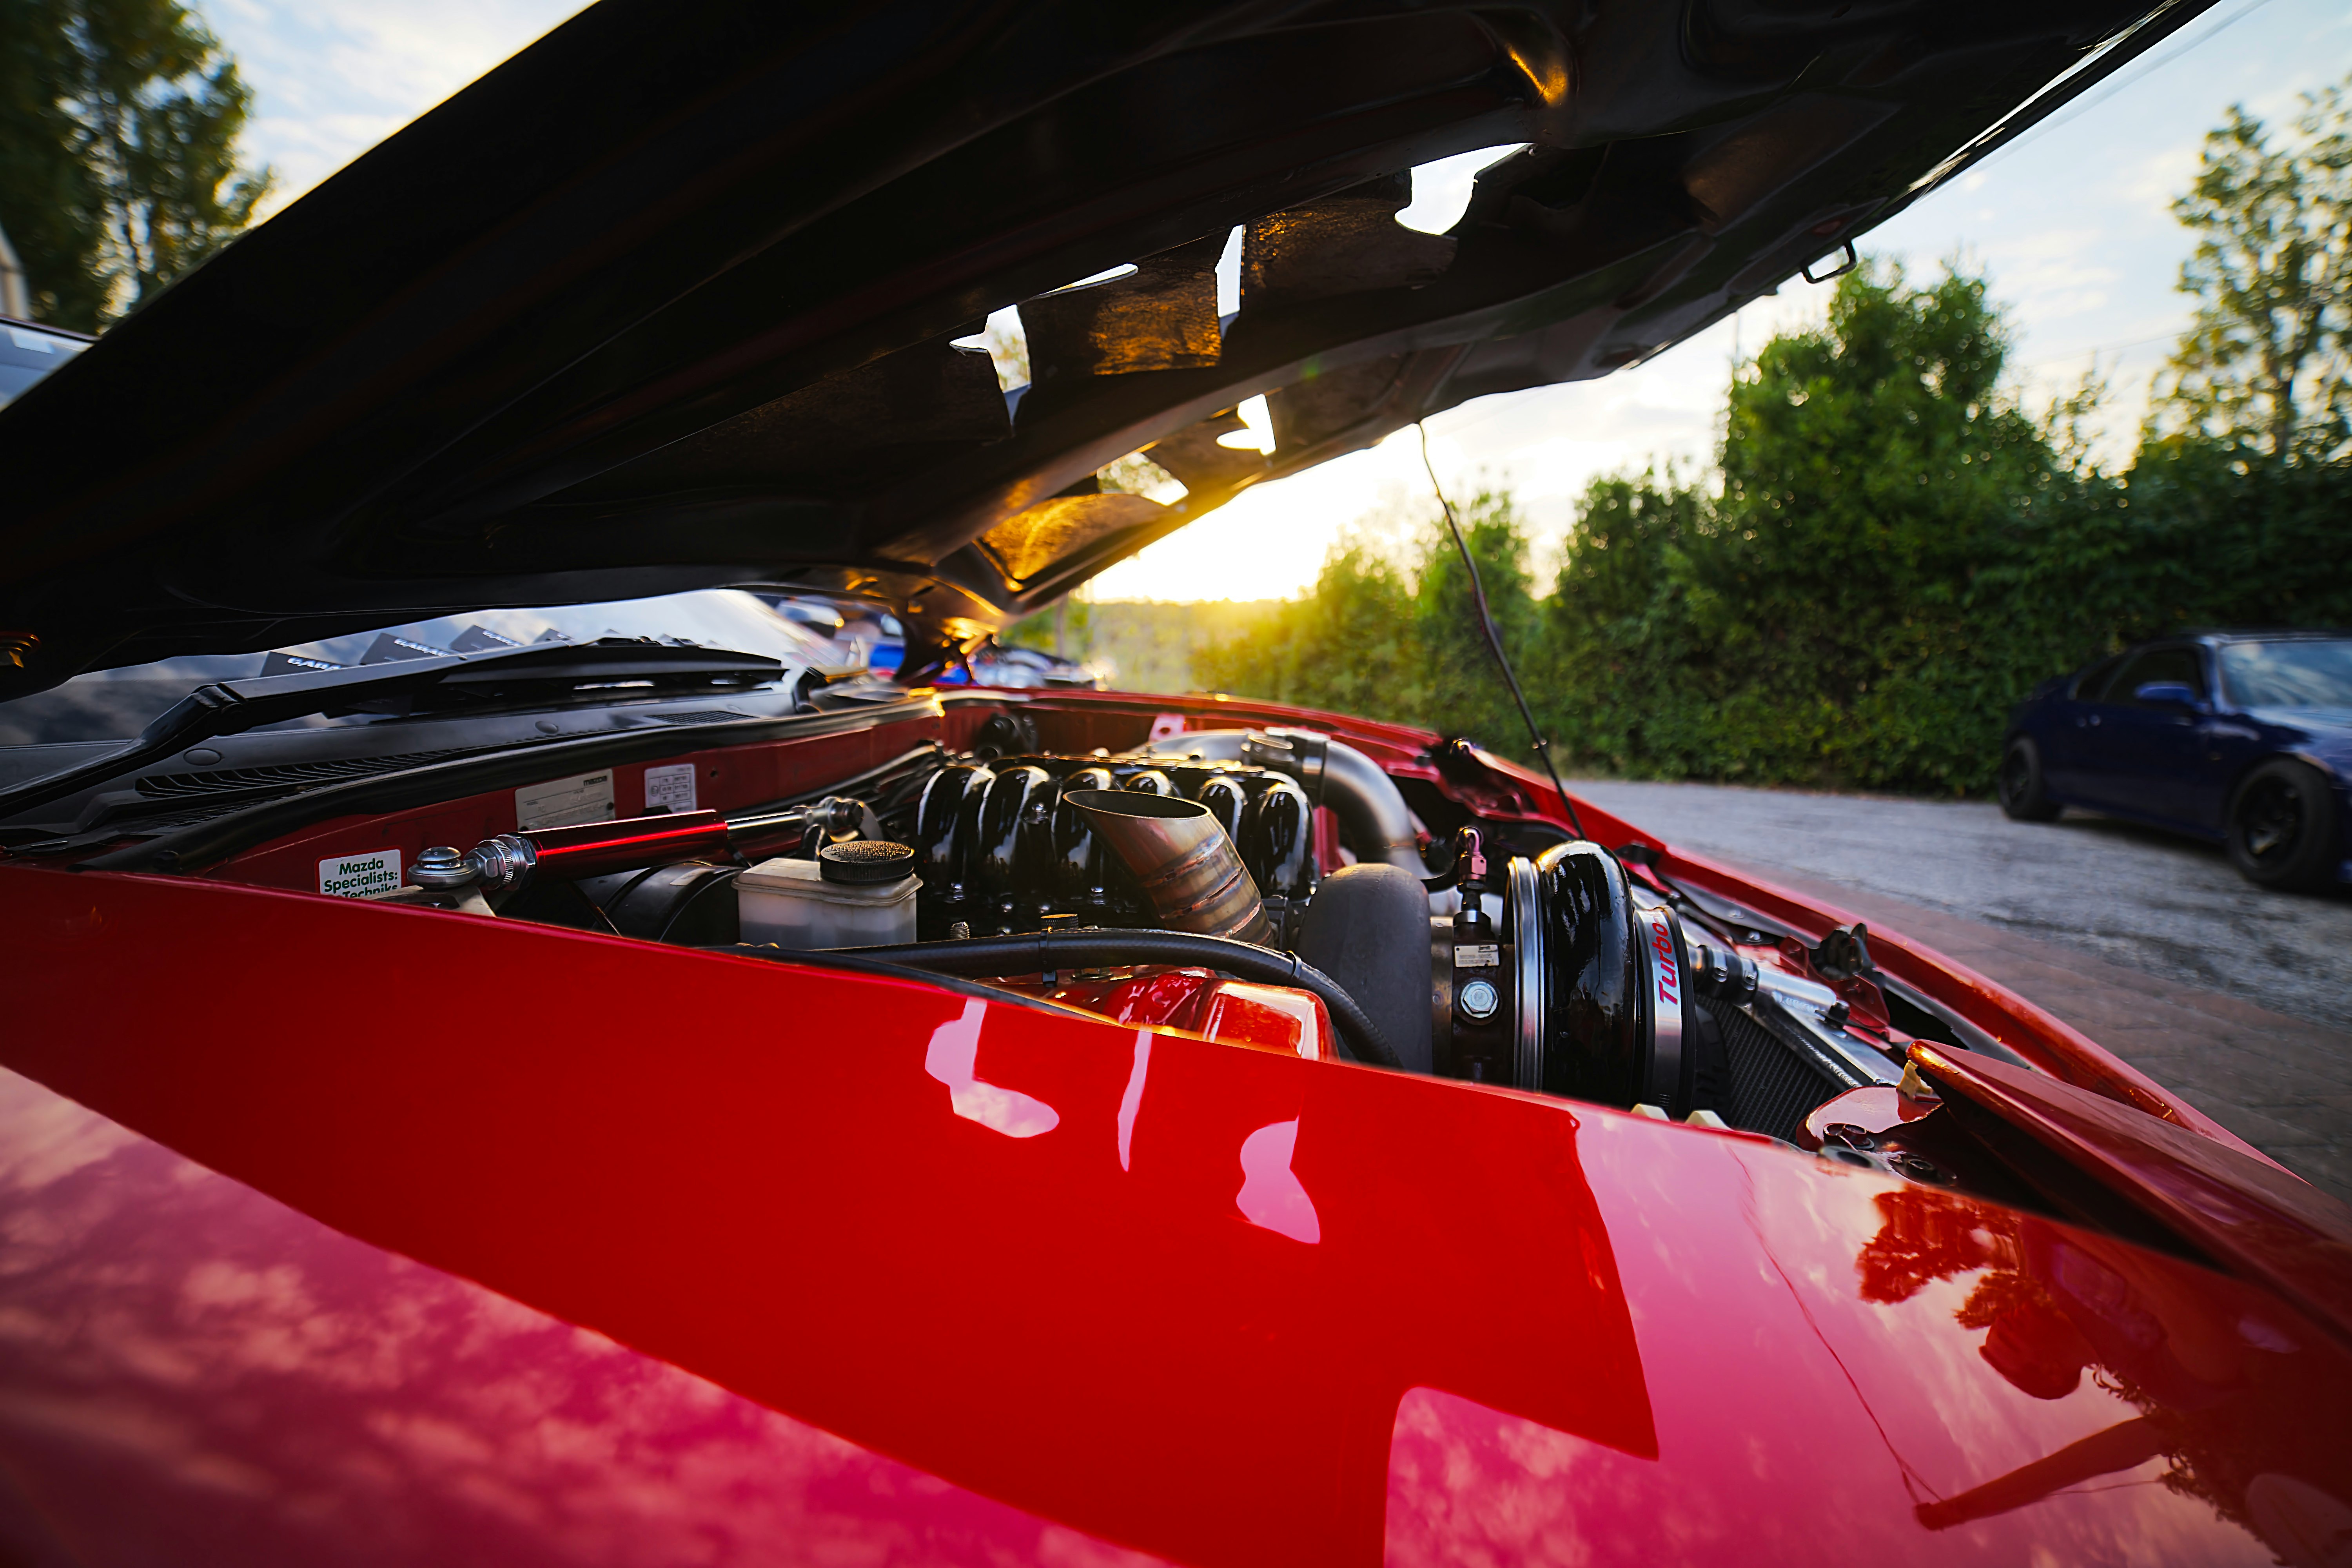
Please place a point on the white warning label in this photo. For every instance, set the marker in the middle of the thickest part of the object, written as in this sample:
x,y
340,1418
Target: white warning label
x,y
357,875
560,803
670,788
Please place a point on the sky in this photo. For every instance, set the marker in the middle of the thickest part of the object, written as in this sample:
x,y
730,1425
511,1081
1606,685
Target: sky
x,y
2072,224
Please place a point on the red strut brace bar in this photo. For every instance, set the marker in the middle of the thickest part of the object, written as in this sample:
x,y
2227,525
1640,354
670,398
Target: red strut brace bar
x,y
593,849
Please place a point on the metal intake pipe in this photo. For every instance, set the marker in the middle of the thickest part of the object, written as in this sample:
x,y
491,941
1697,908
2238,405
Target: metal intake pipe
x,y
1332,772
1184,863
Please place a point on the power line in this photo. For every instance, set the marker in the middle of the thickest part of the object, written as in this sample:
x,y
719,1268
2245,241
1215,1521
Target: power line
x,y
1495,638
2100,349
2138,71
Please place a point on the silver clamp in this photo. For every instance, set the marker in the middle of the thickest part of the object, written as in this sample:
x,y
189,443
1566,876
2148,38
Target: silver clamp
x,y
1300,754
493,863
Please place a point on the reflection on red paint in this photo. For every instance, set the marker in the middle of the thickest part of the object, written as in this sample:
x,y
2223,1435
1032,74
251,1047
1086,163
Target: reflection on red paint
x,y
954,1060
2054,1305
193,1372
1132,1101
1469,1484
1271,1195
1231,1012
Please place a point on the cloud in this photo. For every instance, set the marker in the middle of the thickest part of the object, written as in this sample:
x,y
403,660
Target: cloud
x,y
333,77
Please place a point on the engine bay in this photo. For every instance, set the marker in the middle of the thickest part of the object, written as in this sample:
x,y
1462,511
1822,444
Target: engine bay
x,y
1270,888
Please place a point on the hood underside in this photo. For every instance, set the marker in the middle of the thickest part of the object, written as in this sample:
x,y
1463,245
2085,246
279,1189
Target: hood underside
x,y
670,300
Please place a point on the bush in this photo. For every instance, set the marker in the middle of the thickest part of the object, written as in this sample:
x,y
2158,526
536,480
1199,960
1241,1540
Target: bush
x,y
1896,554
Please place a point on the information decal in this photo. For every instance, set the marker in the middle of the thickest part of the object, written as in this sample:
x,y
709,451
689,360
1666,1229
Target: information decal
x,y
669,788
563,802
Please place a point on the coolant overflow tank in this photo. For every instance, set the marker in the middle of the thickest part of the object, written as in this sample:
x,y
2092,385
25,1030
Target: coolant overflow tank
x,y
859,894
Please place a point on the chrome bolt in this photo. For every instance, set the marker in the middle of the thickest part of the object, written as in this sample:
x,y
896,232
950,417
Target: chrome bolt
x,y
442,866
1478,1000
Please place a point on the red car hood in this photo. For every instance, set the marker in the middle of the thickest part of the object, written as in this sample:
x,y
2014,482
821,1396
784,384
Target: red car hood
x,y
904,1276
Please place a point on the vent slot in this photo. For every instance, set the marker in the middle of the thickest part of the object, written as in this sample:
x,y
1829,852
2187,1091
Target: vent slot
x,y
111,829
286,775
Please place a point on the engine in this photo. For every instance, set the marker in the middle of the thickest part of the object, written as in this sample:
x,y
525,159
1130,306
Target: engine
x,y
1181,883
1542,973
1014,844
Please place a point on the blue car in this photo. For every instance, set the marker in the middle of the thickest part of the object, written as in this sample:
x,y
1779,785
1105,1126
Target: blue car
x,y
2243,738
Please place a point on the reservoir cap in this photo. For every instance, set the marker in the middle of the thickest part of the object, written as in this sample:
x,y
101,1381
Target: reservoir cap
x,y
863,861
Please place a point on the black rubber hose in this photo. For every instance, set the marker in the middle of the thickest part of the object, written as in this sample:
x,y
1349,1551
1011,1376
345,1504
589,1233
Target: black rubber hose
x,y
1095,948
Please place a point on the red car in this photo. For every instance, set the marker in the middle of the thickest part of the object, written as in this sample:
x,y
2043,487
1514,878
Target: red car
x,y
508,1060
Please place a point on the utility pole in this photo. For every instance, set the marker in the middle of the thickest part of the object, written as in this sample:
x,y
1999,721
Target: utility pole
x,y
15,289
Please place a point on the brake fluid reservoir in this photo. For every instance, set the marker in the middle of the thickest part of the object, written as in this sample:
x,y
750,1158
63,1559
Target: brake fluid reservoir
x,y
859,894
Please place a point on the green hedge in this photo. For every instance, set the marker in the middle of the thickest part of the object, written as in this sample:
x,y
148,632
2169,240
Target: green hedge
x,y
1888,554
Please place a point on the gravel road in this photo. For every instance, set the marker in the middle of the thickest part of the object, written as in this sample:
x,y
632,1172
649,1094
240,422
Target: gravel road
x,y
2141,899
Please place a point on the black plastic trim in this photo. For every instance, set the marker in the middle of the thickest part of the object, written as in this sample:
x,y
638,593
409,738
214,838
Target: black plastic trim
x,y
207,843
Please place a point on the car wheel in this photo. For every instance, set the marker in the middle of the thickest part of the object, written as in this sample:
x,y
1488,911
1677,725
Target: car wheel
x,y
2281,828
2023,796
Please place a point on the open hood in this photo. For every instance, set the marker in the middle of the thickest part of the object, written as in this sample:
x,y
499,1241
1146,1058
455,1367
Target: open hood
x,y
670,299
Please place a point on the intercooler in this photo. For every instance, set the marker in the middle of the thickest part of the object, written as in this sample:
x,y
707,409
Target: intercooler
x,y
1771,1086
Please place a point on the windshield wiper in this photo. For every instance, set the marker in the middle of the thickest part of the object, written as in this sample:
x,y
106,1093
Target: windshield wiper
x,y
411,686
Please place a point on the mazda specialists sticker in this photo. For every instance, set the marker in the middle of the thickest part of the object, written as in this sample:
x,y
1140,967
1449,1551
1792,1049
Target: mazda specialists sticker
x,y
560,803
357,875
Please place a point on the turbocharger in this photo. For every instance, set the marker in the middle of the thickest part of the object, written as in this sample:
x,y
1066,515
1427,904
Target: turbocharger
x,y
1582,992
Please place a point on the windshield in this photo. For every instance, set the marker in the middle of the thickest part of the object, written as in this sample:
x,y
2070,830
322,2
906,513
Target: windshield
x,y
116,704
28,352
2305,673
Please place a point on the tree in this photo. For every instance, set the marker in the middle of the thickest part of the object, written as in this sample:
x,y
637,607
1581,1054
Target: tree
x,y
1819,619
48,202
1352,643
1467,695
1896,553
119,171
2265,362
1616,625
